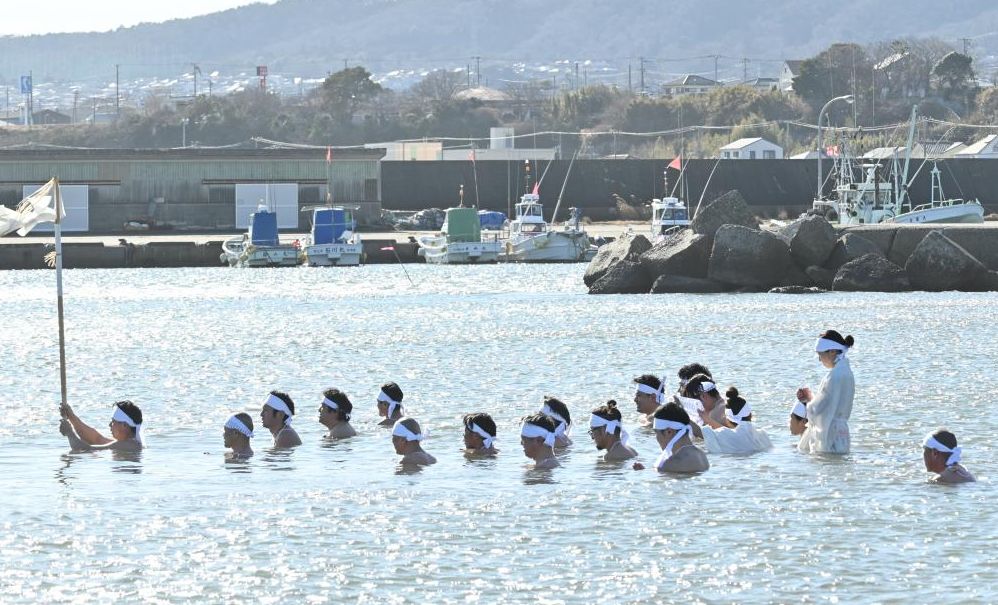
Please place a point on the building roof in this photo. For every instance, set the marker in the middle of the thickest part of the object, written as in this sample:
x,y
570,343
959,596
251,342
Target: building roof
x,y
742,143
793,65
692,80
977,147
761,82
482,93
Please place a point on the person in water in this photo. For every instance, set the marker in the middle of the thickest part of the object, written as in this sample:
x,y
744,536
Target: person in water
x,y
738,434
648,397
276,415
798,418
334,414
406,437
703,403
125,426
942,455
537,436
672,431
237,434
479,435
390,404
691,404
828,411
608,434
557,411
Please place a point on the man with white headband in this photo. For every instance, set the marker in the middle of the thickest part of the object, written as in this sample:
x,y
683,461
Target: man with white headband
x,y
236,436
390,404
125,425
608,433
479,435
407,437
798,418
672,431
276,415
828,411
537,436
703,403
648,397
334,414
556,410
942,456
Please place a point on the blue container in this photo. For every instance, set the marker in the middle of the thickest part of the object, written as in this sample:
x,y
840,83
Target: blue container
x,y
491,220
329,224
263,228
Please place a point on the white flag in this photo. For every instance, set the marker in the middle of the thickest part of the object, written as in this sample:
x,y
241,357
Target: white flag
x,y
39,207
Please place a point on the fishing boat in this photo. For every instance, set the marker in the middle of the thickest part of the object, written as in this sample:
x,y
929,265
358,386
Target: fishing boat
x,y
881,199
333,241
459,241
261,246
531,238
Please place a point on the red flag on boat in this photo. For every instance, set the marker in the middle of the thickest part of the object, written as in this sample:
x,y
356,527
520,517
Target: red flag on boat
x,y
537,188
833,151
329,155
677,163
471,156
389,248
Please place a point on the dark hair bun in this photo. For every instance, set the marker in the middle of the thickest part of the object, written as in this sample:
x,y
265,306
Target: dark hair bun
x,y
731,393
849,341
612,404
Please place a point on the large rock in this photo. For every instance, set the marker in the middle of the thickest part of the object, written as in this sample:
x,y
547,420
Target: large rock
x,y
748,257
821,276
626,247
938,263
679,284
624,277
906,239
811,239
679,253
881,234
850,247
729,209
871,273
978,240
796,276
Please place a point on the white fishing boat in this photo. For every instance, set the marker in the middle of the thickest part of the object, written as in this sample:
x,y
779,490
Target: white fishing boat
x,y
531,238
459,242
261,246
333,241
667,214
877,199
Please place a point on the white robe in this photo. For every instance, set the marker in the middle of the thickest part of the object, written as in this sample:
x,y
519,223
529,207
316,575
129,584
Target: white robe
x,y
828,413
743,439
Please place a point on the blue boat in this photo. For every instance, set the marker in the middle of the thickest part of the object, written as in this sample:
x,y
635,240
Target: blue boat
x,y
261,246
333,241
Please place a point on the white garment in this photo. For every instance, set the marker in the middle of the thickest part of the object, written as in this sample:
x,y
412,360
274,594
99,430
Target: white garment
x,y
744,439
828,413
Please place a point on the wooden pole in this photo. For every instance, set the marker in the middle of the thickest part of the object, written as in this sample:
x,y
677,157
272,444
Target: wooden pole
x,y
58,287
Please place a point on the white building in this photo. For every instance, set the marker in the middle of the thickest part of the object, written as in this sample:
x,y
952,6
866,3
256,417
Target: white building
x,y
690,85
985,148
755,148
791,69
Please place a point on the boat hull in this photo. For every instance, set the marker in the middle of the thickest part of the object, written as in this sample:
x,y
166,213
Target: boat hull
x,y
956,213
437,251
334,255
260,256
549,247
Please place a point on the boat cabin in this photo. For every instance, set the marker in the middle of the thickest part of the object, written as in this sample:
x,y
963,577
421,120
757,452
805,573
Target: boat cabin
x,y
462,225
529,216
332,225
667,213
263,228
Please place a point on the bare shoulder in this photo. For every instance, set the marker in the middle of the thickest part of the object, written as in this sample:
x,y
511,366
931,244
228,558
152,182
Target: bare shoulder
x,y
548,463
287,438
956,474
343,431
689,459
128,445
418,459
620,452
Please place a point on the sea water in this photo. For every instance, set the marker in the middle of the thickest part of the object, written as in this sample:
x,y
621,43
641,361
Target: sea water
x,y
339,522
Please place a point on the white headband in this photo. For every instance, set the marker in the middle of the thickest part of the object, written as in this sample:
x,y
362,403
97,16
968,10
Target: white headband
x,y
647,390
563,426
532,431
487,439
236,424
276,403
954,453
800,410
400,430
611,427
392,404
740,416
825,344
119,415
707,386
329,403
680,428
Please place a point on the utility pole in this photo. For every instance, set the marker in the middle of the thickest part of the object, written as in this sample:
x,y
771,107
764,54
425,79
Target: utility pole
x,y
642,70
117,90
629,87
469,75
575,84
585,76
716,57
76,100
197,70
745,69
966,44
478,70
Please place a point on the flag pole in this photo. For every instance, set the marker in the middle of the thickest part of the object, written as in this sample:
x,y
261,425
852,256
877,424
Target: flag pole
x,y
58,287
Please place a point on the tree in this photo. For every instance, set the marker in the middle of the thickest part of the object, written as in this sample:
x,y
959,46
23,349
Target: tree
x,y
346,90
954,76
438,85
835,71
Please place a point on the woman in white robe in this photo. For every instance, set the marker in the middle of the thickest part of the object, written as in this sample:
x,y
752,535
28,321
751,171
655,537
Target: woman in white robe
x,y
828,411
738,434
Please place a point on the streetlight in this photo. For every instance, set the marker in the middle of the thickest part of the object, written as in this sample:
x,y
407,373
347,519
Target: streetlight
x,y
821,114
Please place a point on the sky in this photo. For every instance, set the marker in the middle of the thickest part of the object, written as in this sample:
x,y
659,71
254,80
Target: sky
x,y
21,18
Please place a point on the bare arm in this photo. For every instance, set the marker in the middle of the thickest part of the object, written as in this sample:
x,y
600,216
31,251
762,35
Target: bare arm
x,y
79,445
86,433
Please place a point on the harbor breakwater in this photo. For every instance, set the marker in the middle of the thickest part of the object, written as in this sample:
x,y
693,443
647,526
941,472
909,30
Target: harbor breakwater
x,y
726,250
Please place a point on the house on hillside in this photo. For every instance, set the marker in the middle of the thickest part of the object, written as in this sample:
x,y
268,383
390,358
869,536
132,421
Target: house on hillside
x,y
984,148
691,84
49,116
762,84
754,148
791,69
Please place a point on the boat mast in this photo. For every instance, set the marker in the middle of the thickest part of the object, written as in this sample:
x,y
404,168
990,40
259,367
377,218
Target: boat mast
x,y
58,288
903,194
